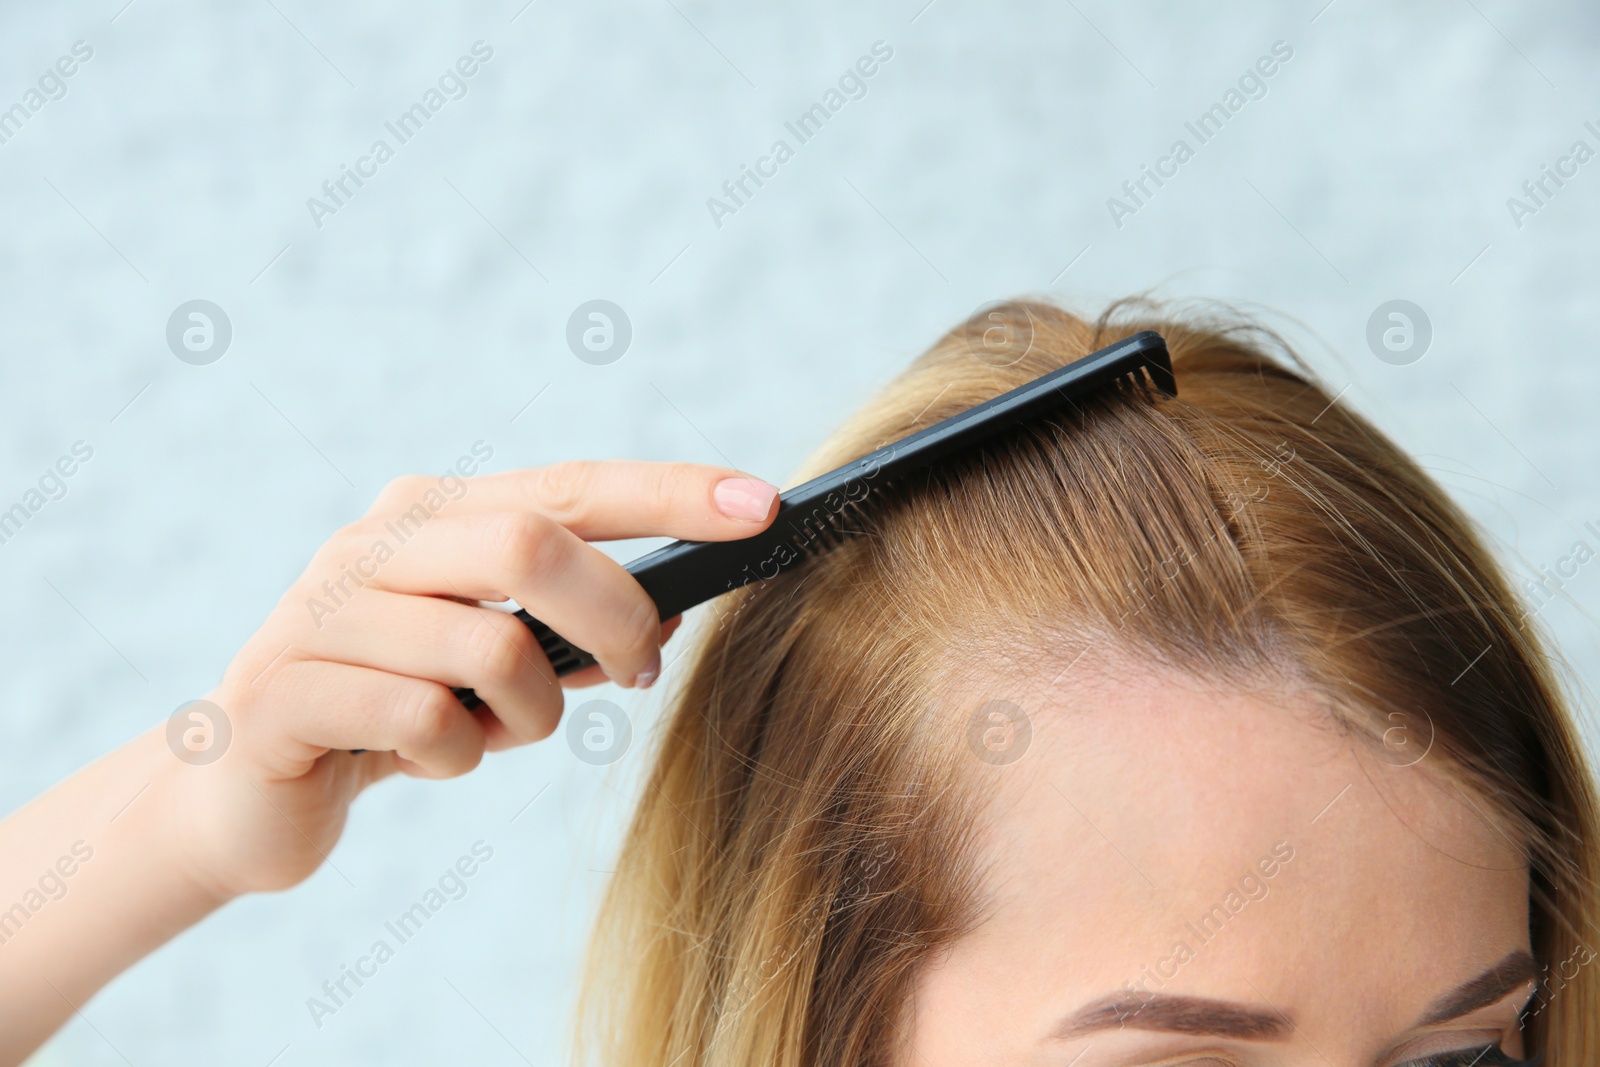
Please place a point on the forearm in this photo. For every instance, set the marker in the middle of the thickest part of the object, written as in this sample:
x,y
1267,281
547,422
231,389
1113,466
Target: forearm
x,y
91,880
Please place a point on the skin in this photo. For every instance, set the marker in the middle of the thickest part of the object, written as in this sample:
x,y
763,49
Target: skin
x,y
1139,803
171,841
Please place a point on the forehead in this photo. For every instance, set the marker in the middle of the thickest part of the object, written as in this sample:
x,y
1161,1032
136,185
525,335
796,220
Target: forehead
x,y
1192,838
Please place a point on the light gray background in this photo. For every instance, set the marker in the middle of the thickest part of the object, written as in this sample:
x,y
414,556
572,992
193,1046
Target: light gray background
x,y
432,308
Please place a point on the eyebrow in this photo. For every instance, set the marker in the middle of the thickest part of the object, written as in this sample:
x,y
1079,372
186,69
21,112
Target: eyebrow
x,y
1182,1015
1516,969
1202,1016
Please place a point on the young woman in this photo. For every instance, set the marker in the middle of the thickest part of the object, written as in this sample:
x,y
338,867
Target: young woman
x,y
1194,731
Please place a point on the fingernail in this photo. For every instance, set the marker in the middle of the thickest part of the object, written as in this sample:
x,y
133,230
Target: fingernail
x,y
746,499
647,677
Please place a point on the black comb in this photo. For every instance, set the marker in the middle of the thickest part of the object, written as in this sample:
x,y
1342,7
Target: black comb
x,y
817,515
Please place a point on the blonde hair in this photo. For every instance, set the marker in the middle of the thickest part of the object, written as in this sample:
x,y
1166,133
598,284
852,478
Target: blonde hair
x,y
801,848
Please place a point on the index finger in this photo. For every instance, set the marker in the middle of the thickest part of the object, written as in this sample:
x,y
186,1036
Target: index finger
x,y
600,500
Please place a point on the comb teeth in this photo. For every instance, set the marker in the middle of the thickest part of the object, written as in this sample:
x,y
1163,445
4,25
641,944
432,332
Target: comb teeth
x,y
835,529
1135,378
1142,380
563,656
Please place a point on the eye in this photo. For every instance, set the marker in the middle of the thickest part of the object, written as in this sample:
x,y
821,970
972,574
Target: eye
x,y
1480,1056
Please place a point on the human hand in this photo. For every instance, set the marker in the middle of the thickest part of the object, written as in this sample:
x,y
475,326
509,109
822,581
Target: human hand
x,y
363,650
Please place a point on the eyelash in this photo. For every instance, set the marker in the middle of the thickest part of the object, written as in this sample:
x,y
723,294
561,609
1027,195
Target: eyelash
x,y
1485,1056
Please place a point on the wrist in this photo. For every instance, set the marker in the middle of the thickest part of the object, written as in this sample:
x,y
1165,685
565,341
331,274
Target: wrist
x,y
174,829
